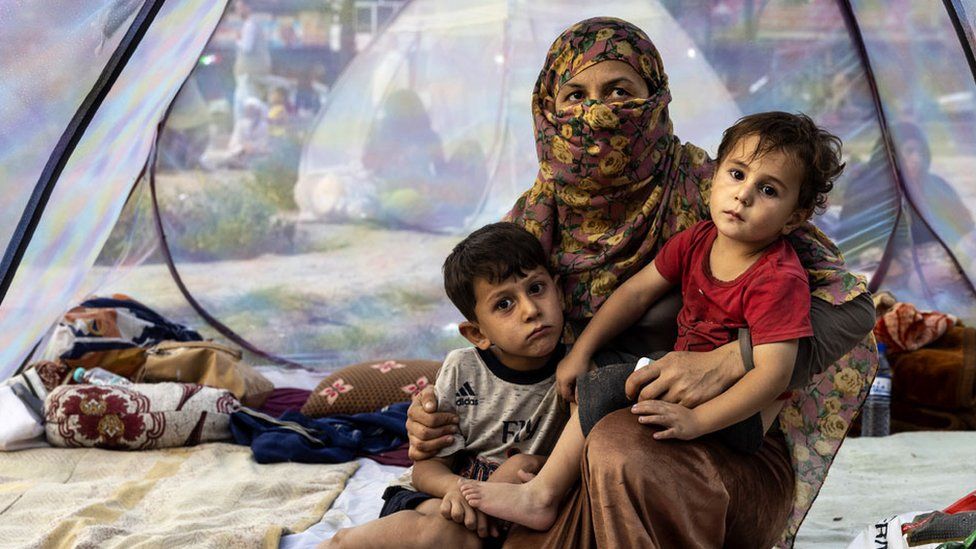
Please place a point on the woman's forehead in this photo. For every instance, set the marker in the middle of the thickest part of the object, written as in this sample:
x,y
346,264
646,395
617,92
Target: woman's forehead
x,y
603,72
588,44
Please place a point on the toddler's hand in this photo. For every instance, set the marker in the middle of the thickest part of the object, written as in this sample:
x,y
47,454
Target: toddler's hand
x,y
678,421
569,368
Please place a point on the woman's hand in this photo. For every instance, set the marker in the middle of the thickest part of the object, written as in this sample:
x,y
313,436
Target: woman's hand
x,y
428,430
570,367
677,421
687,378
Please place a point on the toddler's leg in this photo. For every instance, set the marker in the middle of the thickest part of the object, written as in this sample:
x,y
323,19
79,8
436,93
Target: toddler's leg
x,y
533,504
421,528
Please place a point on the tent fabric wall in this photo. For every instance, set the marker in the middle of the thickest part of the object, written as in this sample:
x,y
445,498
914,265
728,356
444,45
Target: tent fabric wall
x,y
473,65
935,228
54,53
331,281
97,179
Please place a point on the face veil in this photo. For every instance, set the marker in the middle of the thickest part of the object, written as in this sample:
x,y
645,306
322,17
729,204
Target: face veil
x,y
606,169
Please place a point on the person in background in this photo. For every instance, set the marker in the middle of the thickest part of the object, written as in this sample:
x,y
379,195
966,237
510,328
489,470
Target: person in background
x,y
307,100
279,113
252,62
933,197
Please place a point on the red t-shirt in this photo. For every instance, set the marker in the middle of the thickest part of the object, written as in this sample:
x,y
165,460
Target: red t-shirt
x,y
771,298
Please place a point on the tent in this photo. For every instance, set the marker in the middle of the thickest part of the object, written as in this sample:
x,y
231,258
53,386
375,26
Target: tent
x,y
289,229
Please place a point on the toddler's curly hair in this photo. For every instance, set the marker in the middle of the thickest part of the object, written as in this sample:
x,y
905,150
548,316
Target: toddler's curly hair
x,y
817,150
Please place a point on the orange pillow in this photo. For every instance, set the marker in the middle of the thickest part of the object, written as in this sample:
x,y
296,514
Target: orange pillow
x,y
369,386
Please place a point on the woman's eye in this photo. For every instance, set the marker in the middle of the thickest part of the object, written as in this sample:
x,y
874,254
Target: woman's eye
x,y
620,93
575,97
767,190
503,304
737,174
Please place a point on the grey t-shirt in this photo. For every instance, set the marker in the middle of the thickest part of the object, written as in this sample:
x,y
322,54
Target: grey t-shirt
x,y
502,411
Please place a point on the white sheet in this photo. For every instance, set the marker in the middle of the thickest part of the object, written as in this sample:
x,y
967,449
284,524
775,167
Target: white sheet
x,y
871,479
360,502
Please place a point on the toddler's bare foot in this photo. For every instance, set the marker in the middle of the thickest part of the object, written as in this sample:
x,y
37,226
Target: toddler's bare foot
x,y
528,504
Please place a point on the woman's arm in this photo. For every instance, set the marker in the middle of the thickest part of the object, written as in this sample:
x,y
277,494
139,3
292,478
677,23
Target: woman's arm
x,y
836,330
690,379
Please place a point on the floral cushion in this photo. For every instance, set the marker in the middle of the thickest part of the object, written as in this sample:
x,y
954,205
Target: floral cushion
x,y
137,417
369,386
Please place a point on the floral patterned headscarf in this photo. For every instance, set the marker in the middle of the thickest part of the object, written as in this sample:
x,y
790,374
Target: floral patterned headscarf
x,y
606,169
614,183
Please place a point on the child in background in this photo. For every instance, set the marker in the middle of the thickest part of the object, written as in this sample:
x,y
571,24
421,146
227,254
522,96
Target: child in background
x,y
503,389
736,271
279,112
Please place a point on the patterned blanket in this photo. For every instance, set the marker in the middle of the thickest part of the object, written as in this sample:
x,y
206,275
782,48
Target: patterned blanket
x,y
213,495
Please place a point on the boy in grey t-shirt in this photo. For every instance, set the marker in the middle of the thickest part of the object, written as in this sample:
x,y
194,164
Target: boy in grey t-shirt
x,y
503,390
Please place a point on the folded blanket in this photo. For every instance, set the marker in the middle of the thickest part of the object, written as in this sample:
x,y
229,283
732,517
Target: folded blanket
x,y
207,496
904,328
283,400
941,375
332,439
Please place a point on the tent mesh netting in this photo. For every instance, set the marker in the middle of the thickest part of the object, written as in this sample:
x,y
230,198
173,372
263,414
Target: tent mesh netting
x,y
314,161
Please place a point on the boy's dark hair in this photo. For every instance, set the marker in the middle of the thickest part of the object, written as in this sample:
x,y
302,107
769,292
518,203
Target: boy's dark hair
x,y
495,253
817,150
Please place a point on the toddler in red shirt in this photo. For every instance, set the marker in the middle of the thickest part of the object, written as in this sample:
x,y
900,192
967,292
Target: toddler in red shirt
x,y
735,271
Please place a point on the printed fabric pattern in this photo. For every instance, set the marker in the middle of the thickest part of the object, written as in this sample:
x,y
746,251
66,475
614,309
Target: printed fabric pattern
x,y
137,417
614,184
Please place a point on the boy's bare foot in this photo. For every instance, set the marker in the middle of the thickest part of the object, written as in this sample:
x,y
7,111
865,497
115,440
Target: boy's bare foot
x,y
525,504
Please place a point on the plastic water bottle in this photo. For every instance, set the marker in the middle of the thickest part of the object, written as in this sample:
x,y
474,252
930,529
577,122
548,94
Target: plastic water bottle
x,y
876,413
98,376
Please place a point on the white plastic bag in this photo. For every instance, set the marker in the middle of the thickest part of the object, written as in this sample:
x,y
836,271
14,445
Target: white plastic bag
x,y
22,427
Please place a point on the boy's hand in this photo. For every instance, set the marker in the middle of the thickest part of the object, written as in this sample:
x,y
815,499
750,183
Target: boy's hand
x,y
570,367
455,507
678,421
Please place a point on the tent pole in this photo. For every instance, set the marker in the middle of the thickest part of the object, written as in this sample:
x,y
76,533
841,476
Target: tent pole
x,y
222,328
69,140
164,248
903,196
854,30
965,33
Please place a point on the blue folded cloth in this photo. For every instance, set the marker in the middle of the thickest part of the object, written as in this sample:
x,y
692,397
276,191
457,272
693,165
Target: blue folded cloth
x,y
332,439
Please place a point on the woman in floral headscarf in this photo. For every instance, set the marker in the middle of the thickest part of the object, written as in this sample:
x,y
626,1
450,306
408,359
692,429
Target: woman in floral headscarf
x,y
614,183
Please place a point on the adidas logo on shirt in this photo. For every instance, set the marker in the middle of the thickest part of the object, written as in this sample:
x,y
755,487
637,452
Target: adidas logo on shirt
x,y
465,396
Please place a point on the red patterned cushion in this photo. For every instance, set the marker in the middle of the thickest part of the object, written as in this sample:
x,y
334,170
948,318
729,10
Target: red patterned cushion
x,y
369,386
137,417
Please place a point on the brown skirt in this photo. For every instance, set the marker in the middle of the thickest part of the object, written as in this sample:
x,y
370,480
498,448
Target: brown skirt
x,y
640,492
